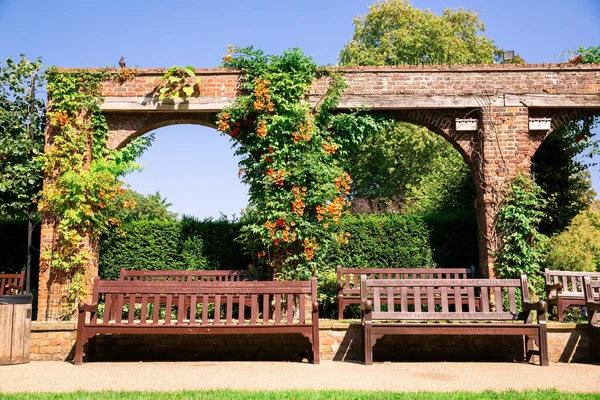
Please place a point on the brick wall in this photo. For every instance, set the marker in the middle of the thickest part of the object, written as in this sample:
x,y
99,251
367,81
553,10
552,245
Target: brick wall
x,y
339,341
501,147
426,80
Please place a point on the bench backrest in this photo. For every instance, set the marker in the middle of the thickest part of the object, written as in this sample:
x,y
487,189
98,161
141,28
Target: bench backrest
x,y
433,298
349,278
211,303
572,281
185,276
591,288
12,283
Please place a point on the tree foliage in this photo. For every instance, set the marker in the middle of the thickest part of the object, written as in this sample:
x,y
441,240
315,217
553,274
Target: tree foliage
x,y
396,33
562,173
22,125
578,247
407,168
133,206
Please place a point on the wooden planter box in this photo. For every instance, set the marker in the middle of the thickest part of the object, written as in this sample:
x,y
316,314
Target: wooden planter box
x,y
15,329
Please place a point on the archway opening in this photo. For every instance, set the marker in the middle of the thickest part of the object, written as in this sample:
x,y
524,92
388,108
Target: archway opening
x,y
187,201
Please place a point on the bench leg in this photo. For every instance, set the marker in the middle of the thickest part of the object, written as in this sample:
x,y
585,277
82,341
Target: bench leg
x,y
368,343
78,359
341,307
543,345
560,309
528,348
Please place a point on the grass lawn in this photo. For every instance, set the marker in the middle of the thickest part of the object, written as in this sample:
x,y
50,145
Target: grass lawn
x,y
303,394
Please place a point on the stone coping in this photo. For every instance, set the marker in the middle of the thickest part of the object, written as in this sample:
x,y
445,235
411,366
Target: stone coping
x,y
53,326
324,324
385,68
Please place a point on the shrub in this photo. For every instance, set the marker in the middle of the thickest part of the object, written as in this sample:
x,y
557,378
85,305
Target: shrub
x,y
578,247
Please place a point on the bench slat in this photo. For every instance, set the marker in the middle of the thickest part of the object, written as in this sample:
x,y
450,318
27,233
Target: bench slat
x,y
485,300
144,312
241,309
217,317
229,312
444,291
266,307
417,297
193,302
498,297
156,309
290,309
131,312
119,309
436,316
168,308
277,309
302,302
107,309
180,309
471,297
253,309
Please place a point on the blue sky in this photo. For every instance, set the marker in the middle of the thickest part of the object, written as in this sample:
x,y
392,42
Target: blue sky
x,y
194,166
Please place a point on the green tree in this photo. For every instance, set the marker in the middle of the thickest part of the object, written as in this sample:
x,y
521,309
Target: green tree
x,y
396,33
563,175
22,125
409,168
141,207
578,247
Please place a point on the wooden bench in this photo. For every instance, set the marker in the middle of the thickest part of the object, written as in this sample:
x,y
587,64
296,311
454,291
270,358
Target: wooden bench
x,y
492,318
564,289
262,308
186,276
11,284
591,289
348,280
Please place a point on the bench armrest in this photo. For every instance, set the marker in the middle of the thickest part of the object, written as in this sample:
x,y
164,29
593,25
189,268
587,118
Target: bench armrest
x,y
315,307
540,306
340,286
366,306
88,307
555,286
593,305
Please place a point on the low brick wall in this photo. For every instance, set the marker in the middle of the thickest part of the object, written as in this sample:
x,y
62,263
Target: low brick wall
x,y
340,341
52,341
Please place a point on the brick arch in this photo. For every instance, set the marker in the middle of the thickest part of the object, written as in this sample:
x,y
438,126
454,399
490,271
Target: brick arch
x,y
124,127
559,117
443,124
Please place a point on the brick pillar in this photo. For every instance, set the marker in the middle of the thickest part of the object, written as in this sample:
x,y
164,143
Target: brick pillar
x,y
501,150
53,285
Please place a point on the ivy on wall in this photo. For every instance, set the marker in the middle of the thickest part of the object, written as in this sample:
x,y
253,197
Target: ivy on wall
x,y
290,153
81,172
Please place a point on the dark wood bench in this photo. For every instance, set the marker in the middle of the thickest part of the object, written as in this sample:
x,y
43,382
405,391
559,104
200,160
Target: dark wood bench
x,y
263,308
591,289
185,276
11,284
492,318
564,289
348,280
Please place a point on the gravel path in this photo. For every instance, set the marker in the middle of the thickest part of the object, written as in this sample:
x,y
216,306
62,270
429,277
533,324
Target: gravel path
x,y
170,376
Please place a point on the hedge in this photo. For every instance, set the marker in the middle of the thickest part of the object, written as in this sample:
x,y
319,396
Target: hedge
x,y
166,245
382,241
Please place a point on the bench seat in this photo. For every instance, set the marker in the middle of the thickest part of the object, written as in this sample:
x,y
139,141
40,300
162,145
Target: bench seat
x,y
200,308
490,309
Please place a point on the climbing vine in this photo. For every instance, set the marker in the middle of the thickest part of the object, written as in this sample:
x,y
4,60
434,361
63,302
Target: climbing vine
x,y
523,247
81,171
290,152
